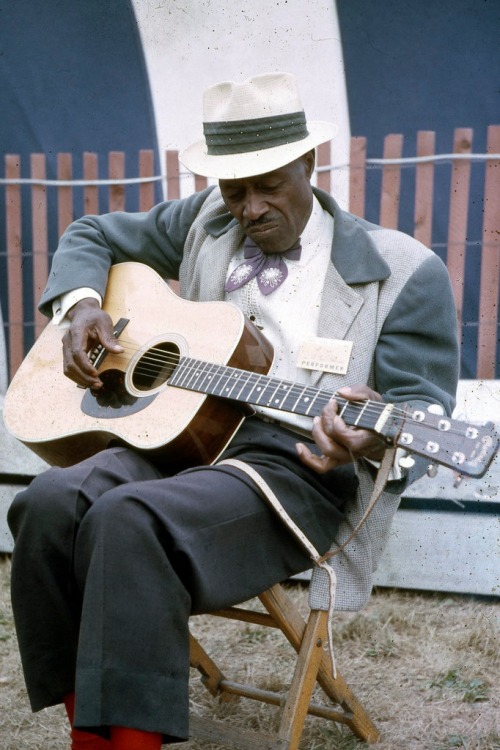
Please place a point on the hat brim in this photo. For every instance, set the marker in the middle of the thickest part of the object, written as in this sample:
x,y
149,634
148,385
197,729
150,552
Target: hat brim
x,y
249,164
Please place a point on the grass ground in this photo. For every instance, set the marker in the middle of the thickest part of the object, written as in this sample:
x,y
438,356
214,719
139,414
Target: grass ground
x,y
426,665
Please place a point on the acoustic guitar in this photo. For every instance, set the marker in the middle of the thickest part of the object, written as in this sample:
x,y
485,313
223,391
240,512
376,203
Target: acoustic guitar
x,y
189,374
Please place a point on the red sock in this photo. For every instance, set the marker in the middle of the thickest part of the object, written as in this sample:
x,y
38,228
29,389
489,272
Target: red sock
x,y
123,738
82,740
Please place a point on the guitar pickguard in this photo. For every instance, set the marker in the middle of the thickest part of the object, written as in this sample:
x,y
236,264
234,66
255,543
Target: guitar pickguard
x,y
113,399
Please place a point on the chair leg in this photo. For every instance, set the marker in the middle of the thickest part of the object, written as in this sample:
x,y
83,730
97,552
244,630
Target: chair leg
x,y
299,695
305,636
211,675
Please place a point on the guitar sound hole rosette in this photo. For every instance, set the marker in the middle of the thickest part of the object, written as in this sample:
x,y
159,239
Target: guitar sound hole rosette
x,y
151,367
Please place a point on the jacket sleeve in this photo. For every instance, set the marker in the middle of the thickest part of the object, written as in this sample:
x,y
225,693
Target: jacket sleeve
x,y
92,244
416,358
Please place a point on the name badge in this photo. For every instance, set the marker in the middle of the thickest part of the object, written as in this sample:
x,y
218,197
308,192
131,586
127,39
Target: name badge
x,y
327,355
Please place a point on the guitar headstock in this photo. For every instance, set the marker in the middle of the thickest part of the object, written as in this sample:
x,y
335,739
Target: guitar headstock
x,y
466,448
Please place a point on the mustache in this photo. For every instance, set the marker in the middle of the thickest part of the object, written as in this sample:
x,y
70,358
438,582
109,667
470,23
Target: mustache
x,y
263,221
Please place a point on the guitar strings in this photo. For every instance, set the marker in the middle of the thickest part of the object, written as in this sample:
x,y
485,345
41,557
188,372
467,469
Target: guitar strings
x,y
162,359
165,358
156,359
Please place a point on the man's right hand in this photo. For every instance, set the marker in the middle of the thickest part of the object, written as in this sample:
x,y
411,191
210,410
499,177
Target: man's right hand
x,y
89,327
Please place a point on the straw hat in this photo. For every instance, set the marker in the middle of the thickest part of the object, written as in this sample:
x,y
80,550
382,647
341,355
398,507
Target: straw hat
x,y
253,127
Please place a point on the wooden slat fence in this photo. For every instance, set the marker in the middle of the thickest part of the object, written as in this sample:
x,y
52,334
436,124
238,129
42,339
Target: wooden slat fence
x,y
90,197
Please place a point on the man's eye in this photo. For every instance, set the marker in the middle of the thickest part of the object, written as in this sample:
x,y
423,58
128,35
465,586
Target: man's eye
x,y
269,188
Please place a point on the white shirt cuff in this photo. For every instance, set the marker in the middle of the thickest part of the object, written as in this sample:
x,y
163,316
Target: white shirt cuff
x,y
61,305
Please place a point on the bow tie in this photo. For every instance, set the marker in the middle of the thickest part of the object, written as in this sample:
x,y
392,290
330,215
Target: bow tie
x,y
270,270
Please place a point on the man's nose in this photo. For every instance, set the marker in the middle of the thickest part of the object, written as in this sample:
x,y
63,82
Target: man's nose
x,y
255,206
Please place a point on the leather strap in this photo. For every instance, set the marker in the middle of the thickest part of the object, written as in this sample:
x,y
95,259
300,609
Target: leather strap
x,y
378,487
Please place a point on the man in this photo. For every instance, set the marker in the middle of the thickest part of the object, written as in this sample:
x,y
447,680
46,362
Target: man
x,y
112,557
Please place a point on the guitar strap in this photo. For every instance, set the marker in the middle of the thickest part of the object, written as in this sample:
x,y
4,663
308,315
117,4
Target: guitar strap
x,y
320,560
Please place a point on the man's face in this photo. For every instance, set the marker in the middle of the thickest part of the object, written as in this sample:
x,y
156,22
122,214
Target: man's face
x,y
273,208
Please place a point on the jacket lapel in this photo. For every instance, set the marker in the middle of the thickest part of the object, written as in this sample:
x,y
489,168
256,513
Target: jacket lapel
x,y
351,240
347,304
218,254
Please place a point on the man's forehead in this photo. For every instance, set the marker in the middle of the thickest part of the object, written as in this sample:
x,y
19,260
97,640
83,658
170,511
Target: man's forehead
x,y
259,178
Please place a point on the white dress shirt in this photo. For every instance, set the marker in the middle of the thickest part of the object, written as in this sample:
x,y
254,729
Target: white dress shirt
x,y
290,314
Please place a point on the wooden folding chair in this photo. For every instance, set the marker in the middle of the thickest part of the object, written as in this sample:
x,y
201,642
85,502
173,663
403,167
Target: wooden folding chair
x,y
313,666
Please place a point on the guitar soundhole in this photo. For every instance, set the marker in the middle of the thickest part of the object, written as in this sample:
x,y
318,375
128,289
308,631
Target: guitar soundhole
x,y
113,392
155,366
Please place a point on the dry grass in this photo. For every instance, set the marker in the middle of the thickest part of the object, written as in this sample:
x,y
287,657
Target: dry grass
x,y
427,667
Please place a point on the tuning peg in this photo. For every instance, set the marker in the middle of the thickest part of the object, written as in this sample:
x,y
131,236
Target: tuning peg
x,y
435,409
406,462
432,470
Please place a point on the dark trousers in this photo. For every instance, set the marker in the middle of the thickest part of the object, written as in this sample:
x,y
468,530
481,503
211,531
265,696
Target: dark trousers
x,y
111,559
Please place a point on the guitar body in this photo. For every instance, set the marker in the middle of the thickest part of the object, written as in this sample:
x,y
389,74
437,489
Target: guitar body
x,y
177,428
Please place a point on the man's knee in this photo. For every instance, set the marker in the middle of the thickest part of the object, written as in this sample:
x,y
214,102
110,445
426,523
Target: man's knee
x,y
44,505
118,527
118,513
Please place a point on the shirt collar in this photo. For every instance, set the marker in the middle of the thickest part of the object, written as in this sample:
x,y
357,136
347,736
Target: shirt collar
x,y
314,227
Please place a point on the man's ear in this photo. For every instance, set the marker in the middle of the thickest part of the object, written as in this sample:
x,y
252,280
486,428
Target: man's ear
x,y
310,161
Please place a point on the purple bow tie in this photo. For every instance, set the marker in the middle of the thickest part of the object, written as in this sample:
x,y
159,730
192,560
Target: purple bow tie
x,y
270,270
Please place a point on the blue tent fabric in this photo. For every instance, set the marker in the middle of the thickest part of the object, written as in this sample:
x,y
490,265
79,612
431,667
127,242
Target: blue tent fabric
x,y
426,66
72,79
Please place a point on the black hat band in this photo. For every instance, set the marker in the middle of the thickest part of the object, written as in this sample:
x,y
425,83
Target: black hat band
x,y
242,136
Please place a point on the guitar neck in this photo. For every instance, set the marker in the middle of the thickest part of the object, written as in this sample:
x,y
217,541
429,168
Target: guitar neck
x,y
274,393
468,449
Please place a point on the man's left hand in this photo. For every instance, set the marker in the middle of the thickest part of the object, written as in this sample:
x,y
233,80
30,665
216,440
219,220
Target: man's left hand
x,y
340,444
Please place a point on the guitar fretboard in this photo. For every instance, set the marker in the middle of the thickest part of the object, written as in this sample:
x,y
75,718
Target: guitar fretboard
x,y
274,393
